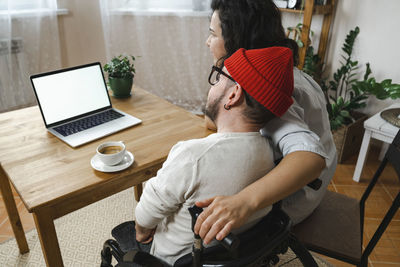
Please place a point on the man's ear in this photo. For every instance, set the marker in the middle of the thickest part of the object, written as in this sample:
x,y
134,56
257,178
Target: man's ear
x,y
235,96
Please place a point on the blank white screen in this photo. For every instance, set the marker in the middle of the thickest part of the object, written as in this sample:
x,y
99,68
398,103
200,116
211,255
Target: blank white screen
x,y
71,93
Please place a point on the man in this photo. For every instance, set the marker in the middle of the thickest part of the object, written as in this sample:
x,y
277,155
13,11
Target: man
x,y
252,88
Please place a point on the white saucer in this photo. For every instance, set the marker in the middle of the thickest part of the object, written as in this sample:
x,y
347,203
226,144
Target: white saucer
x,y
127,161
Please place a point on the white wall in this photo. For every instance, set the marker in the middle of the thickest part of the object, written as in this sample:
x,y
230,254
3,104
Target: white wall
x,y
377,42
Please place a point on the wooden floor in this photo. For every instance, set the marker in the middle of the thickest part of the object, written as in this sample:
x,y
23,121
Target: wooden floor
x,y
387,252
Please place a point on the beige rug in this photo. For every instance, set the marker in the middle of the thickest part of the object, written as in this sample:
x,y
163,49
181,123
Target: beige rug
x,y
81,235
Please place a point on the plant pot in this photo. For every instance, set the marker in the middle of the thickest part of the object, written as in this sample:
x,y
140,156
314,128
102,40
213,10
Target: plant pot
x,y
120,87
348,138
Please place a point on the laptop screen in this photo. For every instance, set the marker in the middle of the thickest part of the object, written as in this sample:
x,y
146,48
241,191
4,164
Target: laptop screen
x,y
70,93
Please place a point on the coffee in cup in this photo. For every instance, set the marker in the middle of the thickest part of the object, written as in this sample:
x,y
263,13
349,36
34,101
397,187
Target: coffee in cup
x,y
111,153
110,150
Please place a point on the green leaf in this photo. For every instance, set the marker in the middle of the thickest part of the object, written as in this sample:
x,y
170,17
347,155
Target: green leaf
x,y
339,119
345,114
367,72
340,101
386,83
300,43
120,67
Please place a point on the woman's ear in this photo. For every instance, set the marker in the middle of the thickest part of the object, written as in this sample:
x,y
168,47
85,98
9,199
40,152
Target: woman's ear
x,y
235,96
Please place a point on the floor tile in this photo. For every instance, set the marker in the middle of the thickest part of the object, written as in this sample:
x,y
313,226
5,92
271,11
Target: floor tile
x,y
331,187
3,212
344,175
388,247
26,219
393,190
389,177
377,203
384,264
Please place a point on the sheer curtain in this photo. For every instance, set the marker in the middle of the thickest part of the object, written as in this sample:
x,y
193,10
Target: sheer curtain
x,y
168,36
29,43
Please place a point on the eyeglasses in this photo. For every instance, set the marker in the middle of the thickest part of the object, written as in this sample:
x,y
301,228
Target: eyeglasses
x,y
215,74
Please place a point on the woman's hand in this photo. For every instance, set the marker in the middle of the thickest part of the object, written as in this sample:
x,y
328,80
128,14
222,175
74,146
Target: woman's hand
x,y
144,235
222,215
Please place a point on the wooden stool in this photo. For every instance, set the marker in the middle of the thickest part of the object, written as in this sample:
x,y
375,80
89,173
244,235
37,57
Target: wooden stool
x,y
377,128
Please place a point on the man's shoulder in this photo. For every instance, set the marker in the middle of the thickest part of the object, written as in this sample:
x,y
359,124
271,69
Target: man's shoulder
x,y
215,143
194,148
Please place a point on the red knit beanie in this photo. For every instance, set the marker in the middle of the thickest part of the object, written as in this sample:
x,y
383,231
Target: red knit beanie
x,y
266,74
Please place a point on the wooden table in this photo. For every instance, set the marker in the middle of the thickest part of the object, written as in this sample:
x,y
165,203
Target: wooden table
x,y
54,179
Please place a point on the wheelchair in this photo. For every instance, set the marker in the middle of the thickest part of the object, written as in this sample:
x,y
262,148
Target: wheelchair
x,y
258,246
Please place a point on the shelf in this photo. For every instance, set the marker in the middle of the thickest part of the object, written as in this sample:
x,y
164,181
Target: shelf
x,y
318,10
307,13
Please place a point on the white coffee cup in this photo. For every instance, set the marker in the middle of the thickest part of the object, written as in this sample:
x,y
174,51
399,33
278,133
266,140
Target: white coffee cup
x,y
111,153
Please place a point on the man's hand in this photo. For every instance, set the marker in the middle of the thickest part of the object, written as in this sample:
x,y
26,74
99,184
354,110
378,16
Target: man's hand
x,y
144,235
222,215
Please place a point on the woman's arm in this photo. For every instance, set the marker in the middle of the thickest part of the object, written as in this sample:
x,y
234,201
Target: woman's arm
x,y
225,213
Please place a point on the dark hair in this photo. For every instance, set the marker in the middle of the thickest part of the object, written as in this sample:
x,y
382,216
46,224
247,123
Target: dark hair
x,y
256,112
251,24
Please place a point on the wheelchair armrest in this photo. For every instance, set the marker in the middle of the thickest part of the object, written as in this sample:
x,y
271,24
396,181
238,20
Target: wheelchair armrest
x,y
264,240
316,184
230,242
127,259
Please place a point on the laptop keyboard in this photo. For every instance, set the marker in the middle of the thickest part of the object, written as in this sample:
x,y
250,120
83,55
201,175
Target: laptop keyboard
x,y
88,122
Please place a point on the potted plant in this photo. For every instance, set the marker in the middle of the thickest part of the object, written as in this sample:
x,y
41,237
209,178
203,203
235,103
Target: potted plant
x,y
296,30
345,95
121,71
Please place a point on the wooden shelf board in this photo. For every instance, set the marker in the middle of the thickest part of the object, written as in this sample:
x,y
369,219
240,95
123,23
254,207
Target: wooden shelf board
x,y
319,10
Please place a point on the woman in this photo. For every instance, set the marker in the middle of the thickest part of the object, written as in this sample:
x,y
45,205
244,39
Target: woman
x,y
302,135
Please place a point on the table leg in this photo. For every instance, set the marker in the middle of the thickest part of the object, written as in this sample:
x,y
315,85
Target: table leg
x,y
385,147
362,155
12,212
48,238
138,191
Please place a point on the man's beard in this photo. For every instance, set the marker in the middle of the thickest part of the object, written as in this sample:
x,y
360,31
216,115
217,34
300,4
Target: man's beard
x,y
212,109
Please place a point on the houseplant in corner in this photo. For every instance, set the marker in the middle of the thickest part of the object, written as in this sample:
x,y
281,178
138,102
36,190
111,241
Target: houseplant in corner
x,y
121,71
345,94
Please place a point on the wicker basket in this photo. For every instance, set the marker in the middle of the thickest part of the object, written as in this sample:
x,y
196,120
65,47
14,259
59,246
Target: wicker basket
x,y
348,138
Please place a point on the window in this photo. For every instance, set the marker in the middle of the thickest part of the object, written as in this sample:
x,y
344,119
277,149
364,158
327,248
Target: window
x,y
23,5
167,5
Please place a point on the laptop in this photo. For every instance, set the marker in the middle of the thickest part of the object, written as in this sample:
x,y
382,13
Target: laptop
x,y
75,104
